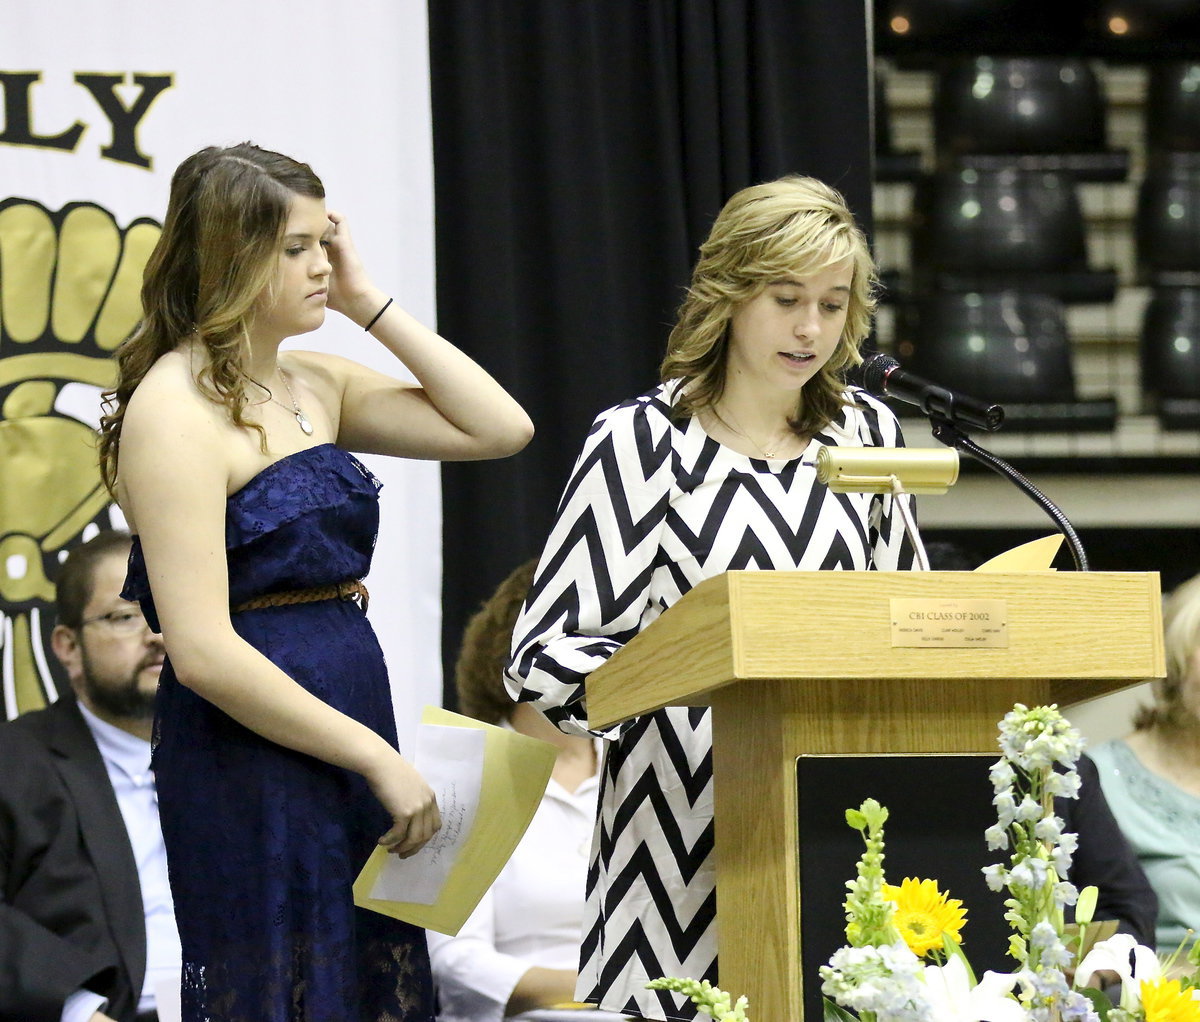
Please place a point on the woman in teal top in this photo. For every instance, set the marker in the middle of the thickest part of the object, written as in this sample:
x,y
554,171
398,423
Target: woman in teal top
x,y
1151,778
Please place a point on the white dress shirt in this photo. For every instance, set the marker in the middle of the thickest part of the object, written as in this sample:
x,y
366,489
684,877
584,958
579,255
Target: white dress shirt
x,y
531,916
127,759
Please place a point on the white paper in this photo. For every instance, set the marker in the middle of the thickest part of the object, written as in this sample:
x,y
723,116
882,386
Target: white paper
x,y
451,761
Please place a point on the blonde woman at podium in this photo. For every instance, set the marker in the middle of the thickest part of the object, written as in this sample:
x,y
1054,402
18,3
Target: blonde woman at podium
x,y
710,471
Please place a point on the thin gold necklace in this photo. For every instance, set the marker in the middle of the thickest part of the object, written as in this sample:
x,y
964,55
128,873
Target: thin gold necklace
x,y
737,428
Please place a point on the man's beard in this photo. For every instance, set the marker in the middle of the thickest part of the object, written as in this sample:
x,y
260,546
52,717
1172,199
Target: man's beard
x,y
125,699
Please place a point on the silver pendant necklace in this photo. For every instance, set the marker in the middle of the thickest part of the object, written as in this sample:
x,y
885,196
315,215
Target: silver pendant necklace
x,y
301,418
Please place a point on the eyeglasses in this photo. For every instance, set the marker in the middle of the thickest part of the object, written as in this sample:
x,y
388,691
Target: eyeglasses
x,y
126,621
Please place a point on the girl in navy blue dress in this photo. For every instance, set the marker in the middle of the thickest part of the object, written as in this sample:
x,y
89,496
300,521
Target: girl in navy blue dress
x,y
276,760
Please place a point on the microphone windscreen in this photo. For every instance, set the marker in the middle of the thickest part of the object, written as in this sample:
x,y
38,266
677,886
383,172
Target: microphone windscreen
x,y
872,374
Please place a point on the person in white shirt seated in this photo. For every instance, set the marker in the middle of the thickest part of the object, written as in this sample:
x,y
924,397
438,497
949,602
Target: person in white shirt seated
x,y
87,923
519,950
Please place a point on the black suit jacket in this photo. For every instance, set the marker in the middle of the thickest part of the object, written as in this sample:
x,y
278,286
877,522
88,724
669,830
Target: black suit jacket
x,y
71,912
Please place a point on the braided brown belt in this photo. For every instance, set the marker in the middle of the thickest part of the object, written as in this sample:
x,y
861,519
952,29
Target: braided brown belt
x,y
351,590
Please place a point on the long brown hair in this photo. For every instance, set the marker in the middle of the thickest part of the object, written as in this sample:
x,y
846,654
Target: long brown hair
x,y
216,255
796,225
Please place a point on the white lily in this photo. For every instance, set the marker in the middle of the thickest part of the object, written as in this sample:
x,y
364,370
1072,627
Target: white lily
x,y
953,999
1114,955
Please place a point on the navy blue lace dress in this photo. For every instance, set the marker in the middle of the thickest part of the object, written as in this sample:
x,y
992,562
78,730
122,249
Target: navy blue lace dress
x,y
264,843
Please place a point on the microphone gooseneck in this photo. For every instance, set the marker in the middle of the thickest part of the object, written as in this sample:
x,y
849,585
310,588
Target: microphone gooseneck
x,y
948,412
951,436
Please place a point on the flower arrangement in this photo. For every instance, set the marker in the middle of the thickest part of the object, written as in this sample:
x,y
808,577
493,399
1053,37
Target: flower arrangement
x,y
903,960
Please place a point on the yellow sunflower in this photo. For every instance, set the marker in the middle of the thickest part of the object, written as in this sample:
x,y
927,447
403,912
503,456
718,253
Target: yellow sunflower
x,y
1165,1000
923,914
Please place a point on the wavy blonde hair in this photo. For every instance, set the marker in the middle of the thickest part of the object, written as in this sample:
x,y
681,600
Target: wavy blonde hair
x,y
216,256
1181,640
795,226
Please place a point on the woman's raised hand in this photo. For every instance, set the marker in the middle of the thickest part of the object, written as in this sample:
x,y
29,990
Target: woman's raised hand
x,y
455,412
351,291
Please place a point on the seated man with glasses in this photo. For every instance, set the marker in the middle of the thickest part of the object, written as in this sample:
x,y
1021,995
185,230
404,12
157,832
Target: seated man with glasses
x,y
87,926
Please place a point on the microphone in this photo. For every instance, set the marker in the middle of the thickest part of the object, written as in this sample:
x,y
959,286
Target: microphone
x,y
882,376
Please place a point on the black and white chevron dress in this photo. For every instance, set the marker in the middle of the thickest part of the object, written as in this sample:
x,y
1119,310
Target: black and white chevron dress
x,y
652,508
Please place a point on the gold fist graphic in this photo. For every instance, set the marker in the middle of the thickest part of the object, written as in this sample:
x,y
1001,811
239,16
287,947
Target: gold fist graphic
x,y
69,294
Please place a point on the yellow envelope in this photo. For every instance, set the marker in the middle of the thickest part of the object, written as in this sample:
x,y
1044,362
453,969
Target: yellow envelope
x,y
516,769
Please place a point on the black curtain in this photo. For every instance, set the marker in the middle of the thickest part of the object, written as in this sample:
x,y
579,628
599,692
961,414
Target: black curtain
x,y
581,151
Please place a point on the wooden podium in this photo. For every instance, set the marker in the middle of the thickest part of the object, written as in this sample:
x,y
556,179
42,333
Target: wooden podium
x,y
827,662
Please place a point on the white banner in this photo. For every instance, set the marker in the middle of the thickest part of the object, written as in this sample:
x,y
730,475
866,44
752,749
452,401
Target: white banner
x,y
101,102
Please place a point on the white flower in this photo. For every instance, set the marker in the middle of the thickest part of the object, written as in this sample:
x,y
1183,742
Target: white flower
x,y
1048,829
1043,935
1113,955
885,980
1063,785
1075,1007
1062,853
1064,893
1047,997
1036,739
1029,810
1006,807
955,1000
996,836
996,876
1043,751
1029,873
1045,938
1002,775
